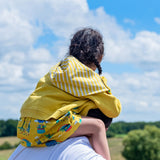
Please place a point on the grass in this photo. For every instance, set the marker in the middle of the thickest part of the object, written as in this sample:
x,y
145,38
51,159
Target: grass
x,y
115,145
120,135
5,154
11,140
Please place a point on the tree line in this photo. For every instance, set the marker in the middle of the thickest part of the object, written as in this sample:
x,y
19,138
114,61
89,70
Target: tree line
x,y
125,127
9,127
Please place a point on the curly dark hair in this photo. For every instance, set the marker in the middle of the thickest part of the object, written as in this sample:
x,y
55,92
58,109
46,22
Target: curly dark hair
x,y
96,113
87,46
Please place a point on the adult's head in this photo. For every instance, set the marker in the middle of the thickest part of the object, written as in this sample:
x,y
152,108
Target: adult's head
x,y
88,47
96,113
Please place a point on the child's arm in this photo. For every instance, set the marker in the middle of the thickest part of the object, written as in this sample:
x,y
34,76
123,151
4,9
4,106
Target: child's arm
x,y
95,130
107,103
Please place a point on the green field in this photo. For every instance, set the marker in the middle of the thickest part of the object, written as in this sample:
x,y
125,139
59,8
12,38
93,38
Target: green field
x,y
115,145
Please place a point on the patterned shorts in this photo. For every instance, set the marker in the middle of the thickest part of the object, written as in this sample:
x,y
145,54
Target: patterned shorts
x,y
40,133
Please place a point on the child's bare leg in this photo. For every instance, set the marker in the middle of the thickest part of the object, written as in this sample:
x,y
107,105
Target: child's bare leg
x,y
95,130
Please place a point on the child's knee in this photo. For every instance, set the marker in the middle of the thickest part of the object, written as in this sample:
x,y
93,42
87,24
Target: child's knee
x,y
99,125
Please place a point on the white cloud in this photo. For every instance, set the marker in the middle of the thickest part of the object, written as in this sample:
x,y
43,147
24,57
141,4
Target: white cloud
x,y
13,57
60,16
129,21
11,104
10,73
143,48
157,20
21,70
38,70
39,55
21,65
61,47
120,47
16,32
139,94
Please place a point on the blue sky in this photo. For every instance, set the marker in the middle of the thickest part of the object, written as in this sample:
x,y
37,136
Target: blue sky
x,y
35,37
141,12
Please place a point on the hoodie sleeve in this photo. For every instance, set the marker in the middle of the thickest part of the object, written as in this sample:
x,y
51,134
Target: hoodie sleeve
x,y
107,103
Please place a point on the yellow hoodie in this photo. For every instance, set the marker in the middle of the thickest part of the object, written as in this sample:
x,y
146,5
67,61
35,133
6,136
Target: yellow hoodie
x,y
70,85
52,113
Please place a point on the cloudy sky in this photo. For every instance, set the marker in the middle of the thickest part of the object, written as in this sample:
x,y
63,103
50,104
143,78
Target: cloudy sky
x,y
35,34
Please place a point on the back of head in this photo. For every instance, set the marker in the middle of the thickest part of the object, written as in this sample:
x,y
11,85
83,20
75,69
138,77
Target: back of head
x,y
87,46
96,113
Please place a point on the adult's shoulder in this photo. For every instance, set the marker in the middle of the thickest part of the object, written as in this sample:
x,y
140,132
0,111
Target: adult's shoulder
x,y
77,148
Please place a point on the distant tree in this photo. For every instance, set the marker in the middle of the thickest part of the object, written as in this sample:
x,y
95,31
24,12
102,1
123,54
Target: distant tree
x,y
110,134
142,144
125,127
6,145
8,128
2,127
11,128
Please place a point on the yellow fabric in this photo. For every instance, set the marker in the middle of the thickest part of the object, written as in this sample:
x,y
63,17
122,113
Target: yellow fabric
x,y
70,84
69,87
40,133
76,78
